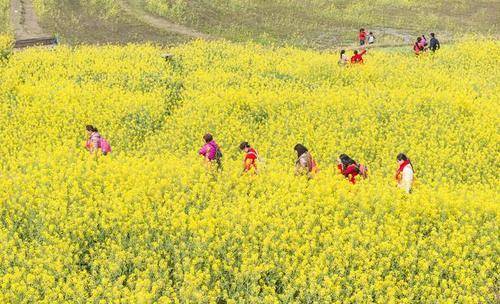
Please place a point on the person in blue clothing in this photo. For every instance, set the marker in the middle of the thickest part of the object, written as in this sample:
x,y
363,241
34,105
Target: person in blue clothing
x,y
434,44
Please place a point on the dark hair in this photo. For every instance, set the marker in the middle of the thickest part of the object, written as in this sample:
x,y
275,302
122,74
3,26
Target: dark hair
x,y
419,39
371,33
361,29
300,149
355,52
346,160
244,145
91,128
208,137
342,52
401,156
432,34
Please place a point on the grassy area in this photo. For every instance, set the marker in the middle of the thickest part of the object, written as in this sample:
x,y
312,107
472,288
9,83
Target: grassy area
x,y
308,23
322,23
98,22
4,16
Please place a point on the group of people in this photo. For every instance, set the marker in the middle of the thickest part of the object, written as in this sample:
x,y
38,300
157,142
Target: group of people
x,y
365,38
356,58
422,44
305,163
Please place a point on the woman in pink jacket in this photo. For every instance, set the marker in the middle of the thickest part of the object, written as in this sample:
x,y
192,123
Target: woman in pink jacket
x,y
211,151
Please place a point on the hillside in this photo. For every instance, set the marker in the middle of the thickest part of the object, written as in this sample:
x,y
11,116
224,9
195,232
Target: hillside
x,y
312,23
4,16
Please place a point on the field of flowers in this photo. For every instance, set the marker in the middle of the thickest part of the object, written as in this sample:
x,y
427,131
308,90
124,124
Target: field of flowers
x,y
149,223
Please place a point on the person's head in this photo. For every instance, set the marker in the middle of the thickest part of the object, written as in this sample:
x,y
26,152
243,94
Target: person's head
x,y
244,146
419,39
371,33
355,52
361,30
346,160
208,137
401,158
90,129
432,35
342,52
300,149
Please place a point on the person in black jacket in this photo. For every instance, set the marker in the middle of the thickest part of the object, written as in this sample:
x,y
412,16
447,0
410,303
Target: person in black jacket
x,y
434,43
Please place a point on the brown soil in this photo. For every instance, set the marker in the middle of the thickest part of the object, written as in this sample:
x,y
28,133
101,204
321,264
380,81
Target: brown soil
x,y
24,20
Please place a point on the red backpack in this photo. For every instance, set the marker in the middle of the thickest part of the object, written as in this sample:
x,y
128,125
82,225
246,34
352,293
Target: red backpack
x,y
104,145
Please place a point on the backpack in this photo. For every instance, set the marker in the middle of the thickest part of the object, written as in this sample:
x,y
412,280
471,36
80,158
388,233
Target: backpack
x,y
363,170
218,158
104,145
218,155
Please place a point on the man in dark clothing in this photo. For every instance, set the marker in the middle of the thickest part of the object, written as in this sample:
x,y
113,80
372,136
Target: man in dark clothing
x,y
434,43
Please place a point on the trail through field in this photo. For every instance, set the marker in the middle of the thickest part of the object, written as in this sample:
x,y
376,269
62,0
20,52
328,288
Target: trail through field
x,y
24,20
161,23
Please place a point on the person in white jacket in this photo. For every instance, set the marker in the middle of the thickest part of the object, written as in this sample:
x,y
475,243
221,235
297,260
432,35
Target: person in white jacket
x,y
405,173
343,60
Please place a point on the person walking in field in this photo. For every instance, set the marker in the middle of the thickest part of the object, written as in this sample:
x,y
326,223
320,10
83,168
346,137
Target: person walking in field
x,y
211,151
362,37
251,157
405,173
357,57
434,43
350,169
305,163
424,41
371,38
95,142
343,60
418,47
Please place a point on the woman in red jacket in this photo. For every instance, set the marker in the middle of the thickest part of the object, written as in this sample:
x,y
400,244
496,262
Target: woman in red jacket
x,y
358,57
348,167
362,37
251,157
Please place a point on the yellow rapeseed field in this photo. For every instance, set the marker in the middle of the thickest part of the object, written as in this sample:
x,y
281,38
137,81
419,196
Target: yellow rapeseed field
x,y
150,224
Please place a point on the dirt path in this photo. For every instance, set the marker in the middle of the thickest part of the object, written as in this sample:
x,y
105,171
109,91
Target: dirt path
x,y
161,23
24,20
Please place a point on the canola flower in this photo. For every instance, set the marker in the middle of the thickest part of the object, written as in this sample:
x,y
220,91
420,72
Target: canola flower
x,y
150,224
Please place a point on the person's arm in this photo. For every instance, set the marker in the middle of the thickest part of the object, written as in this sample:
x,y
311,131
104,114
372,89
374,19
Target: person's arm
x,y
339,166
397,176
309,162
94,145
300,165
203,151
362,53
298,168
438,44
207,154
